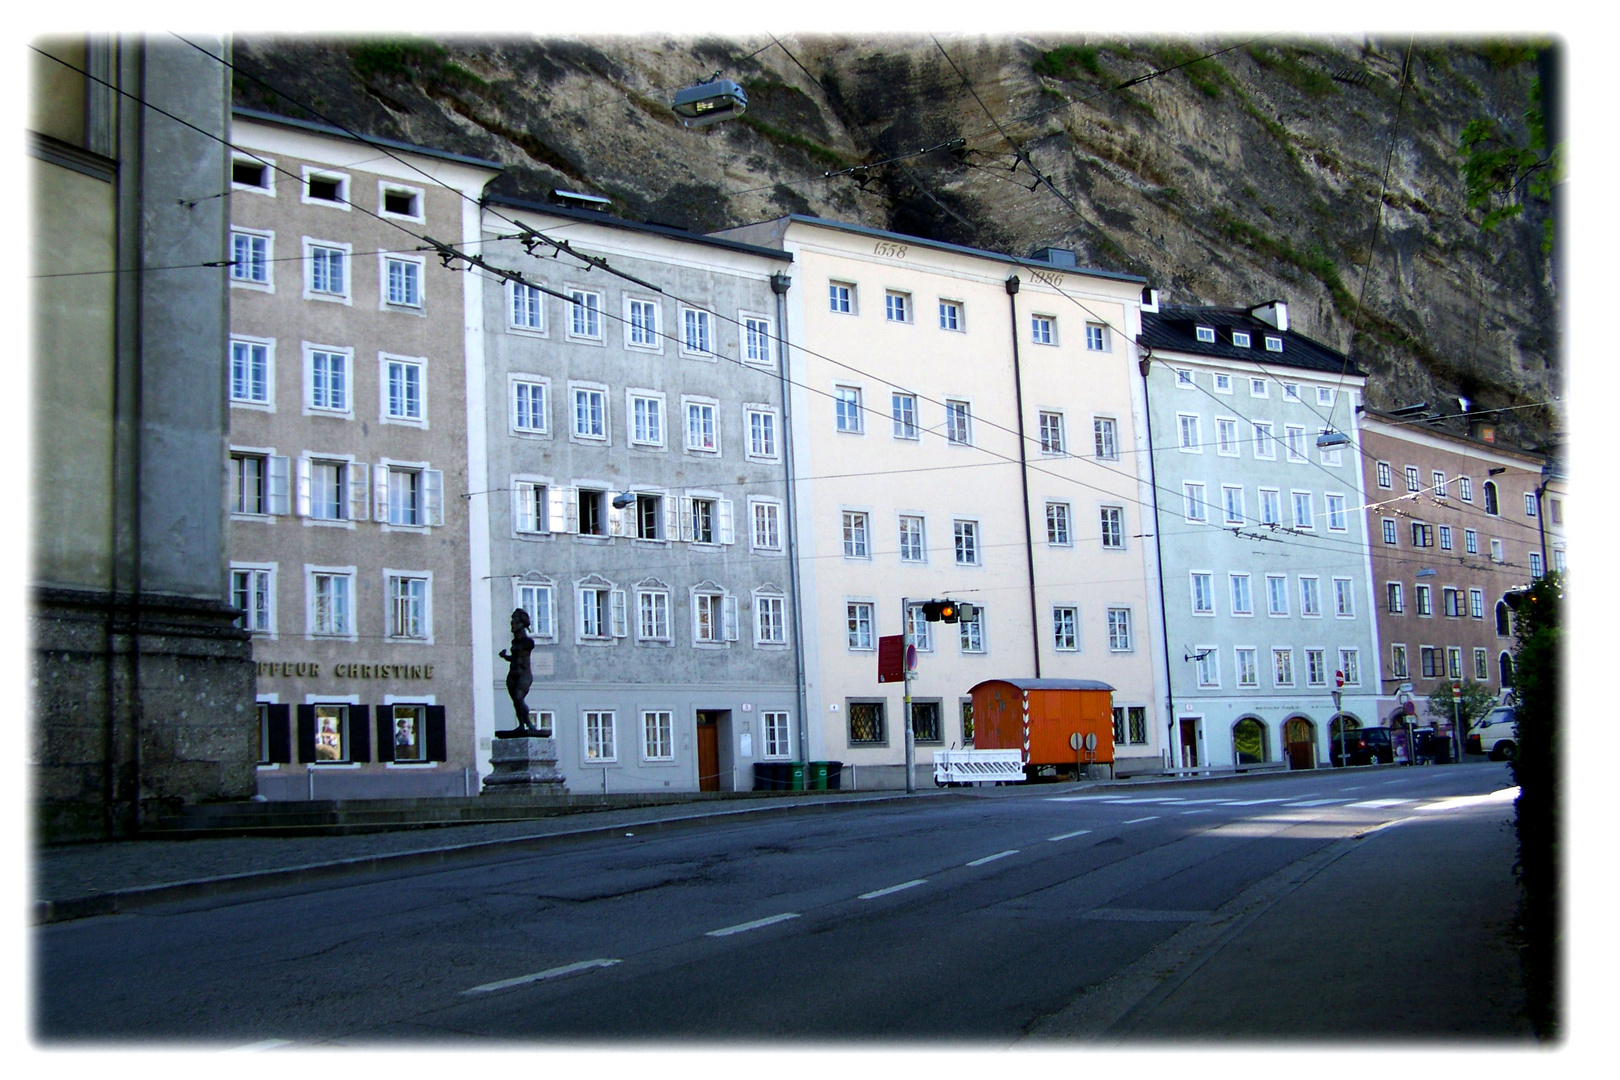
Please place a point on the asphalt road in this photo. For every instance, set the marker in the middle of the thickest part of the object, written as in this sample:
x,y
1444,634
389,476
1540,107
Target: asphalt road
x,y
1010,913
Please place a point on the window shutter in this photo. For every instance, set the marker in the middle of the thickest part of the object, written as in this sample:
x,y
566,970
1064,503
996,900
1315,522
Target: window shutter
x,y
685,532
280,718
571,510
306,733
359,732
278,484
616,521
621,619
303,487
385,733
435,734
523,512
359,493
672,520
728,608
727,530
557,510
379,483
433,496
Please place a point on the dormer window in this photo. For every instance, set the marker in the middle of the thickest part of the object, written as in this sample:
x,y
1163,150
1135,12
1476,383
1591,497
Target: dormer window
x,y
326,188
254,174
1273,343
1240,339
1206,333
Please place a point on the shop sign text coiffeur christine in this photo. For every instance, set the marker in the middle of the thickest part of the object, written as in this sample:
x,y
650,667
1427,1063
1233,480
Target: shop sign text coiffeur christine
x,y
312,669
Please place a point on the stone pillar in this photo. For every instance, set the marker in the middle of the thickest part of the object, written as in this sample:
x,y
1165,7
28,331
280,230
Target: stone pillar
x,y
526,764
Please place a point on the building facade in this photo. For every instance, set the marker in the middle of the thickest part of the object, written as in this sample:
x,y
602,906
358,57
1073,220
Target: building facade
x,y
347,366
1266,582
631,455
966,425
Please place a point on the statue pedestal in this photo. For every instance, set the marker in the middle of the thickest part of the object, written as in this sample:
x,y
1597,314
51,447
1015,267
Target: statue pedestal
x,y
524,763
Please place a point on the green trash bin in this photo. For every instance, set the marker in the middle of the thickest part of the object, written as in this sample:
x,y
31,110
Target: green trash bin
x,y
795,775
817,776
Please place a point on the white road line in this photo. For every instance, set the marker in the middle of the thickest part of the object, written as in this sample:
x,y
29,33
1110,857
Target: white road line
x,y
1184,813
755,925
1353,787
1195,802
1316,802
1088,798
1378,804
1251,802
993,858
1134,820
265,1044
1069,835
875,893
1460,801
549,973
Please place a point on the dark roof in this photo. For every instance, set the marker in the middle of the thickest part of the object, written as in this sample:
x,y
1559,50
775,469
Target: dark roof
x,y
1050,684
368,140
1172,330
598,217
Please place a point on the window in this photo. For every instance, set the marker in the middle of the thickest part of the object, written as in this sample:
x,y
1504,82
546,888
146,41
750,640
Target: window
x,y
1412,483
1276,594
1105,433
1223,384
1265,444
757,350
841,298
1422,535
1471,541
1282,667
1558,560
970,632
1203,593
657,735
897,307
402,390
1535,564
1191,439
1290,391
591,513
1438,483
1421,596
250,371
922,634
767,525
530,511
1310,596
599,742
855,533
585,317
1394,598
1324,395
409,496
925,722
647,419
705,515
408,608
1344,597
601,612
1451,601
328,380
1350,665
1339,523
903,409
1465,488
1096,337
847,407
1066,628
1051,427
649,519
525,307
697,332
1304,510
590,413
1295,437
1490,498
258,484
250,257
950,315
652,615
1057,524
1315,667
1482,665
1232,503
1431,669
770,620
1386,477
776,734
1043,329
1496,551
1390,536
1273,343
858,619
1259,388
332,733
1529,504
866,723
967,543
403,281
1247,669
331,490
1476,604
702,431
253,594
1119,629
1397,662
251,174
1207,661
1453,662
1113,527
403,732
1555,509
642,325
1226,437
326,188
1193,497
537,601
956,423
762,434
331,612
328,270
1242,596
1205,334
1270,506
911,538
1445,538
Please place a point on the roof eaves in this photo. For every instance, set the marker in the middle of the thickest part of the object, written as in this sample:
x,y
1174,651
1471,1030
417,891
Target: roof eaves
x,y
599,218
367,140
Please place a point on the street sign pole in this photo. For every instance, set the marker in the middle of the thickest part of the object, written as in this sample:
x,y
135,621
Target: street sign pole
x,y
1456,719
1338,711
906,654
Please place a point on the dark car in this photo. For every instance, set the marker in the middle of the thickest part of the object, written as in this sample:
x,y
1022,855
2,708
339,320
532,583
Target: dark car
x,y
1364,746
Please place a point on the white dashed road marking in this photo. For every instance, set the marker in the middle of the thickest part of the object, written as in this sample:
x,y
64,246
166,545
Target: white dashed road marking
x,y
1134,820
550,973
875,893
1069,835
993,858
755,925
1316,802
1184,813
1378,804
1252,802
266,1044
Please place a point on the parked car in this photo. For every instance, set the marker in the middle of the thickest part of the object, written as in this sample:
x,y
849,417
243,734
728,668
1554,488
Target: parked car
x,y
1495,735
1364,746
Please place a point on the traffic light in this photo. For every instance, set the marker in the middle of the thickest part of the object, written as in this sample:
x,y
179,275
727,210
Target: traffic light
x,y
946,610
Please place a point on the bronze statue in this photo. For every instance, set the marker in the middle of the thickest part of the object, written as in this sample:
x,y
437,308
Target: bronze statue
x,y
519,677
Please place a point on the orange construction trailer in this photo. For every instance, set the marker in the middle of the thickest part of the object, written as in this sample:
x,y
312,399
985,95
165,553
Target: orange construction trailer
x,y
1049,720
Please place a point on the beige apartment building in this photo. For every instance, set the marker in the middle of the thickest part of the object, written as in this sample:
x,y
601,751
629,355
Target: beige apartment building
x,y
966,425
347,369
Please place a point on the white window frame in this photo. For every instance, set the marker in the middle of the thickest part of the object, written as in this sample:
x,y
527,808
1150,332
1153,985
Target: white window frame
x,y
572,307
1304,500
1470,541
632,328
539,309
536,491
777,728
1105,437
1392,533
1277,589
1445,537
1394,597
1324,396
1051,433
1413,482
1286,656
347,574
574,434
268,403
1265,440
895,301
1205,334
1189,433
1310,596
970,639
1247,341
856,526
654,599
957,311
513,382
345,297
600,747
393,187
1246,660
1121,636
344,182
722,607
841,298
659,722
1066,627
902,426
967,529
769,511
1111,526
1274,343
1290,391
354,481
1242,597
1232,504
1465,485
1059,524
1207,666
1222,382
1227,443
854,611
609,614
1336,512
1201,593
390,627
268,164
749,329
850,410
1194,506
901,523
632,434
430,495
1476,603
702,320
420,363
1273,511
268,285
1098,338
384,303
1529,504
1315,667
1344,598
310,408
273,468
268,609
767,599
690,402
1259,388
773,420
958,422
1294,443
1185,379
1043,329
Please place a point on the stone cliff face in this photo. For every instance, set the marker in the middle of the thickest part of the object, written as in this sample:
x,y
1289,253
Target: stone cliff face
x,y
1252,174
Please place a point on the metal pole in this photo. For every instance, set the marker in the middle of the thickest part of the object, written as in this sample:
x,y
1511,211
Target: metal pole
x,y
1023,475
780,283
1338,712
905,649
1456,715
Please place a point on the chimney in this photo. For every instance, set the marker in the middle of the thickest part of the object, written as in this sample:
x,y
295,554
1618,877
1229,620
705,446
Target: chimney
x,y
1274,312
1482,429
1150,299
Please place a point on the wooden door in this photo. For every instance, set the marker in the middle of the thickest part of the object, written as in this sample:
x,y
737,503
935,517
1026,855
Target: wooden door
x,y
1299,736
1189,744
708,752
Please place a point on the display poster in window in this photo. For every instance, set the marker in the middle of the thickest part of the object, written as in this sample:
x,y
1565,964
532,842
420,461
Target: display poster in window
x,y
407,734
328,734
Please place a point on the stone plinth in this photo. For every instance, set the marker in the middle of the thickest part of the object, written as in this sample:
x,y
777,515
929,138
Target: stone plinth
x,y
524,763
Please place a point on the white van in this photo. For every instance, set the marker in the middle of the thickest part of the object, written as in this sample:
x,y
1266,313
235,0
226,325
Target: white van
x,y
1494,735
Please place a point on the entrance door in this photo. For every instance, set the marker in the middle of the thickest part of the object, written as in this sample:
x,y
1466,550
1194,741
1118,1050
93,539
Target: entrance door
x,y
1299,736
1189,744
708,752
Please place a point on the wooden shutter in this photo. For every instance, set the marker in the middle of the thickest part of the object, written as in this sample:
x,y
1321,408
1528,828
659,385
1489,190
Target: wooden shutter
x,y
359,492
571,509
385,733
379,483
303,487
728,612
306,733
433,496
672,519
685,513
557,509
436,743
524,518
726,527
279,718
616,521
359,732
621,618
277,495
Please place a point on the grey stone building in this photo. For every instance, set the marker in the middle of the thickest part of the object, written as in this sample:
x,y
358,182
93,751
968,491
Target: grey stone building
x,y
634,500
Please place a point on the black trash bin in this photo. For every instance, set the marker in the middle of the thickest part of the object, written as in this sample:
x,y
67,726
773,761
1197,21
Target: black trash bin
x,y
764,780
835,775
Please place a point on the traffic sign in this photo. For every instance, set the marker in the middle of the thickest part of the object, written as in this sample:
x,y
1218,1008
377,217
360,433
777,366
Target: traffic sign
x,y
891,658
1338,679
911,658
1456,690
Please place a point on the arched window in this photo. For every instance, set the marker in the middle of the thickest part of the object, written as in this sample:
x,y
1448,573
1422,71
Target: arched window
x,y
1505,662
1490,497
1503,627
1249,741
